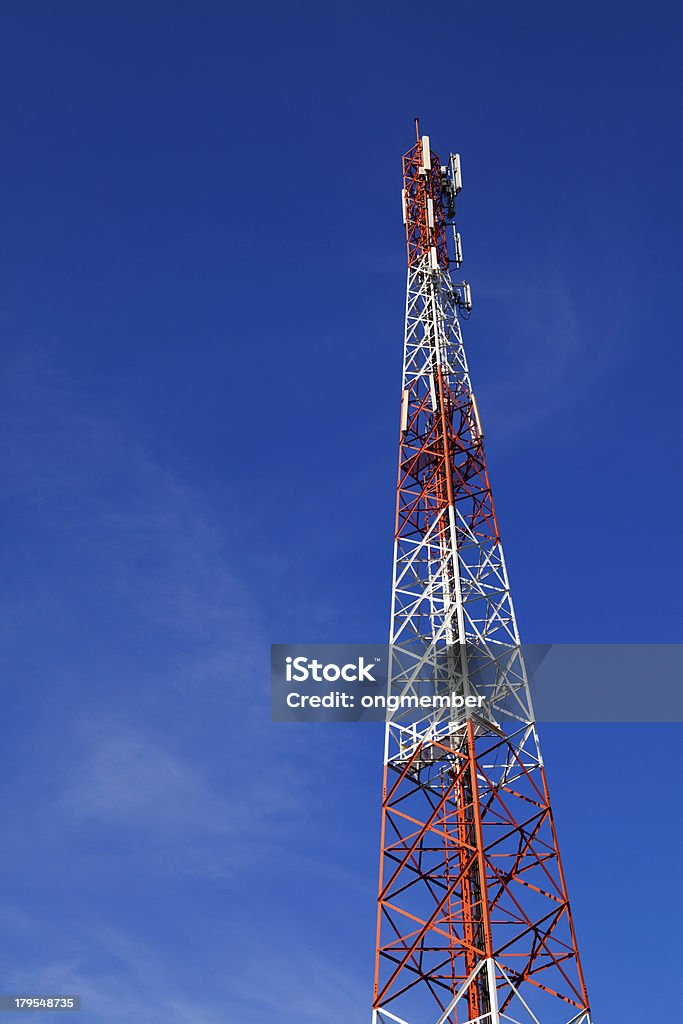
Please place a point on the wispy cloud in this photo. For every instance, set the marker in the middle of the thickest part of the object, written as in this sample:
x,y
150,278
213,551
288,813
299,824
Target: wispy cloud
x,y
161,764
548,352
188,811
119,978
301,985
126,778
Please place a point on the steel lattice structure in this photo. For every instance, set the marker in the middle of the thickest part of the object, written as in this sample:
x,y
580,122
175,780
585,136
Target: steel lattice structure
x,y
474,923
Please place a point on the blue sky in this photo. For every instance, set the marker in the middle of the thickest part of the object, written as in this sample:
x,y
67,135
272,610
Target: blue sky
x,y
201,291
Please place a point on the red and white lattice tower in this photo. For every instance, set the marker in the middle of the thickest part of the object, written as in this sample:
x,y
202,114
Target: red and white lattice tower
x,y
474,923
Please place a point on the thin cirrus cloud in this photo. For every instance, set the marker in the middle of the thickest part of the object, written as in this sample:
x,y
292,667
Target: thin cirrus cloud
x,y
126,778
131,774
118,977
549,352
180,653
83,471
187,813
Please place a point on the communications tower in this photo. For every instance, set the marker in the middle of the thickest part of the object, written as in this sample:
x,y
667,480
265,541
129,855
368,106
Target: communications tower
x,y
474,923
